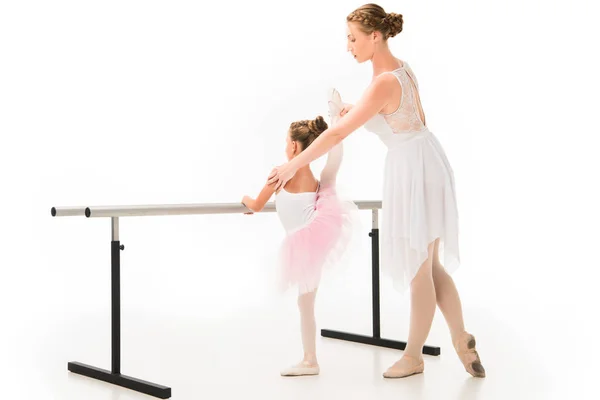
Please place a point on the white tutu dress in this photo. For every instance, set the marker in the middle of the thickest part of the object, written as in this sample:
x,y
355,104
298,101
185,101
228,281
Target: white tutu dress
x,y
419,199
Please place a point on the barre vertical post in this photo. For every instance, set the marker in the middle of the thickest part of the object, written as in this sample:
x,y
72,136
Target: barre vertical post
x,y
375,274
115,297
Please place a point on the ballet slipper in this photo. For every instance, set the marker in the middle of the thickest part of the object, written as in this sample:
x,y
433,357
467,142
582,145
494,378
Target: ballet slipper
x,y
398,371
304,368
465,348
335,105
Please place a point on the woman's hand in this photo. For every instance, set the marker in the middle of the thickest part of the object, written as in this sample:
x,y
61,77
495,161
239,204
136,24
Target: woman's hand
x,y
347,107
281,175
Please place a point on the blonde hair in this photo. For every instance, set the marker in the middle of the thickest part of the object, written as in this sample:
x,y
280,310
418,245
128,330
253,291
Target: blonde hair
x,y
306,131
372,17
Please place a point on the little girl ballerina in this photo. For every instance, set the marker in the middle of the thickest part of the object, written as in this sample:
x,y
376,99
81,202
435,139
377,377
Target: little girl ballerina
x,y
318,226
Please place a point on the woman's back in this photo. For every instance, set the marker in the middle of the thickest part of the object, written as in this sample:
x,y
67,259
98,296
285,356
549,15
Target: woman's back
x,y
409,116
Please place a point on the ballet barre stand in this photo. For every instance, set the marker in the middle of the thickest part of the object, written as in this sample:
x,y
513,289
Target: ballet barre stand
x,y
114,375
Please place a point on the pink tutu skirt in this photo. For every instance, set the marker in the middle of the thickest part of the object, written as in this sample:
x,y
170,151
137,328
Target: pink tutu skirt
x,y
307,252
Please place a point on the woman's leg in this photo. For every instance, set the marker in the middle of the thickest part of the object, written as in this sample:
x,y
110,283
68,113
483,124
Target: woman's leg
x,y
449,303
447,296
422,307
422,310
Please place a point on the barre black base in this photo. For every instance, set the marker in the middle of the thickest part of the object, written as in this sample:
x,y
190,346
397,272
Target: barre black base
x,y
162,392
114,376
374,341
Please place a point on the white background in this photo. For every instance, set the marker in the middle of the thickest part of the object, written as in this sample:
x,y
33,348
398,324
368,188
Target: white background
x,y
148,102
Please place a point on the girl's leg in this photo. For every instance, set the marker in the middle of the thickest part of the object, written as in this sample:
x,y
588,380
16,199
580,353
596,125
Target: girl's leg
x,y
308,329
308,326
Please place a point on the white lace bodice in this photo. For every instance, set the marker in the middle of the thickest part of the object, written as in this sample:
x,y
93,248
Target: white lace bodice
x,y
407,118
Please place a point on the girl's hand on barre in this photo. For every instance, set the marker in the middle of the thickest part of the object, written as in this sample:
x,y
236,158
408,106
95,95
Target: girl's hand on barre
x,y
245,201
258,204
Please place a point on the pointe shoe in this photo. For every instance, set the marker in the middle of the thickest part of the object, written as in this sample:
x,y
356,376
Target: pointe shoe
x,y
335,105
396,371
465,348
304,368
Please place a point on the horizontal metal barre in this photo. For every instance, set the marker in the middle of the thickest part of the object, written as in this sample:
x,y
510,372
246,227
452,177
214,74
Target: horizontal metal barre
x,y
176,209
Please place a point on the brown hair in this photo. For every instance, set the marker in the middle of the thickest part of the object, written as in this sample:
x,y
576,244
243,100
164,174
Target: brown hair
x,y
372,17
306,131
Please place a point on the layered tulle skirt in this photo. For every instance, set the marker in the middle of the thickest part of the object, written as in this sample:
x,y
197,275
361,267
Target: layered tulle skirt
x,y
319,245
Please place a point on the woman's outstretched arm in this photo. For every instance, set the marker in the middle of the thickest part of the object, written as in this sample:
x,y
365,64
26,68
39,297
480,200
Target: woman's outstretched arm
x,y
373,100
